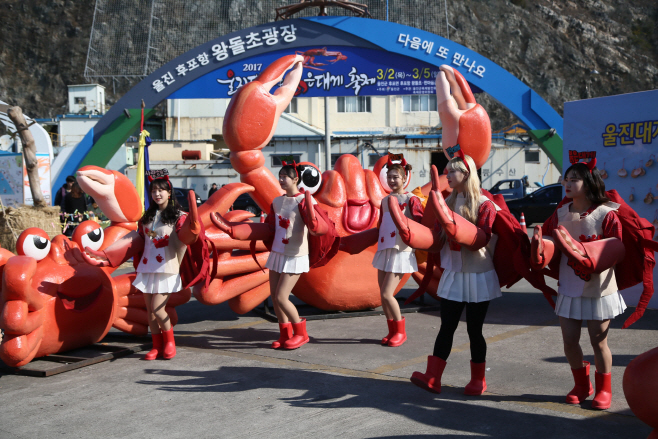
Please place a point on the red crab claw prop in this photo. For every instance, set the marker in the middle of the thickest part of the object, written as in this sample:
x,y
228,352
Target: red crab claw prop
x,y
191,228
465,122
541,250
251,119
457,228
315,224
593,257
241,231
358,242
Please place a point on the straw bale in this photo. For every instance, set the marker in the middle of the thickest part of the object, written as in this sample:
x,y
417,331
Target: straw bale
x,y
14,220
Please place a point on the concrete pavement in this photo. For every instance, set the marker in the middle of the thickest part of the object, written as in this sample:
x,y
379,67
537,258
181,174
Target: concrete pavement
x,y
227,382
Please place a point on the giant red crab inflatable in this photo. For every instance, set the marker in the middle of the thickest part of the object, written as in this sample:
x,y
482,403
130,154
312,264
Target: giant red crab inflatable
x,y
349,194
52,301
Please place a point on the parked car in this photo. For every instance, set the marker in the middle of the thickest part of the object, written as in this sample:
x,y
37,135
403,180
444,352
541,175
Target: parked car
x,y
538,206
514,188
245,202
181,198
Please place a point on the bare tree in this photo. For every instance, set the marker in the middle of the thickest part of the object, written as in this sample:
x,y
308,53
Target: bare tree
x,y
29,154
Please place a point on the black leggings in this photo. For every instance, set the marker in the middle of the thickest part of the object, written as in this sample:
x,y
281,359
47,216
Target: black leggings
x,y
451,312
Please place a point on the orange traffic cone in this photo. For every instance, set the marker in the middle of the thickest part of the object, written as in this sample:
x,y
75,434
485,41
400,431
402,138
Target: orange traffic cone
x,y
522,222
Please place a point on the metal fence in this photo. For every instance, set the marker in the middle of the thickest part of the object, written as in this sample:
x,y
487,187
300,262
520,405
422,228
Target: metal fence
x,y
130,39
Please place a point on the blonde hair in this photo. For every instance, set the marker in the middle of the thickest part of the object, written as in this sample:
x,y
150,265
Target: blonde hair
x,y
472,190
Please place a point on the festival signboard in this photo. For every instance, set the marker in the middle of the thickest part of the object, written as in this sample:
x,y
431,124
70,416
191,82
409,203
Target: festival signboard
x,y
622,131
11,179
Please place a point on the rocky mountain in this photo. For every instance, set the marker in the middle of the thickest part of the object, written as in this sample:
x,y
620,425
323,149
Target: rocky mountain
x,y
565,50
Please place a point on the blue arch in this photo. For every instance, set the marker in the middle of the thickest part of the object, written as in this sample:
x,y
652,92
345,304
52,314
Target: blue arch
x,y
392,40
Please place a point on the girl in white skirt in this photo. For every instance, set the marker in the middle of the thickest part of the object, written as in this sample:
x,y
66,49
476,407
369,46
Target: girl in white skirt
x,y
394,258
469,279
163,234
291,215
585,292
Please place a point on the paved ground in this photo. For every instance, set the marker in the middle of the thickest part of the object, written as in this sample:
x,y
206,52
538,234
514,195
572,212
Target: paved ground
x,y
227,382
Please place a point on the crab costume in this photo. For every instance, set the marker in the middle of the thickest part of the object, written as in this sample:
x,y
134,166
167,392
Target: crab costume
x,y
593,259
158,250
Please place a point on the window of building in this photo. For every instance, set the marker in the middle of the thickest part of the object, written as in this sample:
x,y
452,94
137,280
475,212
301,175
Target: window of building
x,y
372,159
80,100
419,103
353,104
532,156
292,107
334,158
276,159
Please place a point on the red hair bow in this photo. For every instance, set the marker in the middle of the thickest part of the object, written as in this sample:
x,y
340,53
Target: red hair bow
x,y
293,164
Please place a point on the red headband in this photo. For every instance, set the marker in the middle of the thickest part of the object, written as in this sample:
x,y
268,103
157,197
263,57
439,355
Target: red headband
x,y
575,157
294,165
457,151
390,163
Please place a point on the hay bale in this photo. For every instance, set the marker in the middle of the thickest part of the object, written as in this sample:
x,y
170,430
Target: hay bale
x,y
14,220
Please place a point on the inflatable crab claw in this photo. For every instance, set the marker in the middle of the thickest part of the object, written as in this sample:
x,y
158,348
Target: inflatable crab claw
x,y
541,250
414,234
242,231
251,119
191,228
358,242
593,257
457,228
315,225
465,122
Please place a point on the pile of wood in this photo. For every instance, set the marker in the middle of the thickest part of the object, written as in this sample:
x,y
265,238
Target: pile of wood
x,y
14,220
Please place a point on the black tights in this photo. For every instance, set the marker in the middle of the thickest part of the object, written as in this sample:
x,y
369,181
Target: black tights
x,y
451,312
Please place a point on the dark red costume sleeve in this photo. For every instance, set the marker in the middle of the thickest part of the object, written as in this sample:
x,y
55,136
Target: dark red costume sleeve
x,y
486,218
612,226
321,249
416,207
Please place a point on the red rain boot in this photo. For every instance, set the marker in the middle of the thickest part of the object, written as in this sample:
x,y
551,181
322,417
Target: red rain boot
x,y
400,335
391,331
169,344
478,383
583,387
157,348
286,334
431,379
300,338
603,396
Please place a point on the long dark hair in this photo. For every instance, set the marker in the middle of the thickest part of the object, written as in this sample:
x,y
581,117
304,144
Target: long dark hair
x,y
592,181
170,213
292,172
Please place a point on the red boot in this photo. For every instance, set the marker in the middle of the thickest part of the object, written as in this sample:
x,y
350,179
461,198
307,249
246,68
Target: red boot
x,y
583,387
391,331
400,335
169,344
157,348
286,334
603,396
431,379
300,338
478,383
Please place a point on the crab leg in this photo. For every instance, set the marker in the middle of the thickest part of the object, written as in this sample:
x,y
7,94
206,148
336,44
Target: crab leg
x,y
251,299
221,290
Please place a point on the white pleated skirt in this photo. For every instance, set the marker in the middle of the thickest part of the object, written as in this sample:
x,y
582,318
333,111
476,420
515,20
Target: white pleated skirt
x,y
395,261
287,264
469,287
587,308
158,283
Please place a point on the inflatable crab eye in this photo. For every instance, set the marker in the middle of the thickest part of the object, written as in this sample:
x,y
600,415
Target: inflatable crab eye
x,y
310,179
33,242
89,234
